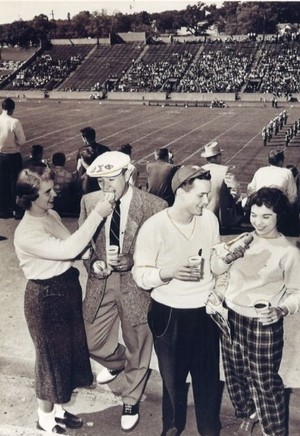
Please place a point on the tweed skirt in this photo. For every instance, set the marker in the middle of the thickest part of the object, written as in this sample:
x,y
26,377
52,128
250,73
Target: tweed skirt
x,y
53,312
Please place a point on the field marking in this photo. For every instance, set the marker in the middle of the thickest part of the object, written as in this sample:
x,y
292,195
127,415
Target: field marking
x,y
180,137
216,137
78,134
246,145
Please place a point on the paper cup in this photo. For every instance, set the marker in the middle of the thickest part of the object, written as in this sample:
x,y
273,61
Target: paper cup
x,y
112,253
195,261
261,305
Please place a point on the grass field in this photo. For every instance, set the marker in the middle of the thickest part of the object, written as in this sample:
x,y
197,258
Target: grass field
x,y
56,125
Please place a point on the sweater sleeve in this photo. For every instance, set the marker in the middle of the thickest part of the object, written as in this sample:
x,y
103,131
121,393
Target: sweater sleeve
x,y
47,246
145,272
291,267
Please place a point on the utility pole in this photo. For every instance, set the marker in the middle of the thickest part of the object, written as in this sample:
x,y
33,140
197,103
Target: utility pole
x,y
52,14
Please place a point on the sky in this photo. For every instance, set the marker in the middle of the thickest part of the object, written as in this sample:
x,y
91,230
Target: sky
x,y
25,9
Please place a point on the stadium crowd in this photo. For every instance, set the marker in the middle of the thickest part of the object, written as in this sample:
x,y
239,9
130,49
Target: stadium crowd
x,y
215,66
158,270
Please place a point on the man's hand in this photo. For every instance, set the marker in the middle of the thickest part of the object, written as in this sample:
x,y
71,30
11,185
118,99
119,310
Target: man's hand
x,y
185,273
123,263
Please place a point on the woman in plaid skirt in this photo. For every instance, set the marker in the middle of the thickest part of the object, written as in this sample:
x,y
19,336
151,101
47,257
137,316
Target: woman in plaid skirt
x,y
263,287
53,296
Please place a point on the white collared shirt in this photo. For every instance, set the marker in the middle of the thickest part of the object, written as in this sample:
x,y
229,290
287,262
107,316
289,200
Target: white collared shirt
x,y
125,201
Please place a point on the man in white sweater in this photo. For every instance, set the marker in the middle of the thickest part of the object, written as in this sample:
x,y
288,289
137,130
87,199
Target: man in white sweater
x,y
185,338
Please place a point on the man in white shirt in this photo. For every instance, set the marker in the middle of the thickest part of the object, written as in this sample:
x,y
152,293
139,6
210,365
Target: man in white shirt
x,y
274,175
185,338
11,138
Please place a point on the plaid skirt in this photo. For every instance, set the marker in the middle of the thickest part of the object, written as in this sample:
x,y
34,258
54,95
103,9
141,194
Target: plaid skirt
x,y
53,312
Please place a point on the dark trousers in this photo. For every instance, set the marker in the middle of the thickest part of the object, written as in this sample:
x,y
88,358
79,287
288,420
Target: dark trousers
x,y
187,341
10,166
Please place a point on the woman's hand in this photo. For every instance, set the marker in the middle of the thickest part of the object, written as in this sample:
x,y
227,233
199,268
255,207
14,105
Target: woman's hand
x,y
185,273
104,207
271,315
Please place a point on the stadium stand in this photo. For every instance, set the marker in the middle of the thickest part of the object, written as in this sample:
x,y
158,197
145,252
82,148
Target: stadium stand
x,y
104,67
232,66
49,68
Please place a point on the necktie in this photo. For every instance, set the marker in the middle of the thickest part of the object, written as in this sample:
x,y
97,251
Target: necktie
x,y
114,233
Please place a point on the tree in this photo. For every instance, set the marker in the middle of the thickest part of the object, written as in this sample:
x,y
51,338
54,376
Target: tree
x,y
43,27
82,24
100,24
195,19
19,33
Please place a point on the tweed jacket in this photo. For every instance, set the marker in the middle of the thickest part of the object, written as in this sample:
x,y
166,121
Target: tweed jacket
x,y
135,301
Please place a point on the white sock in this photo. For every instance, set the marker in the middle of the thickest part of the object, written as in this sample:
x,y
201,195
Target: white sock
x,y
59,411
47,420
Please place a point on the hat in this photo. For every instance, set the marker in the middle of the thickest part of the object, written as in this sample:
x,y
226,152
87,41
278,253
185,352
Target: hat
x,y
211,149
108,164
184,173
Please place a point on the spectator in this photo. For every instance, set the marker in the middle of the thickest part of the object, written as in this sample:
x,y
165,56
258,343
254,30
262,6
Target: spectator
x,y
86,184
88,135
67,199
53,297
36,157
114,298
160,174
134,177
11,138
225,189
275,175
186,339
267,274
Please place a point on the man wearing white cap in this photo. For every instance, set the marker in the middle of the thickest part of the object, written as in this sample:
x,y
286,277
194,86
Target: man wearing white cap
x,y
225,189
185,338
112,297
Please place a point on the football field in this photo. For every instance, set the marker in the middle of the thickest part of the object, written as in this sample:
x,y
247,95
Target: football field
x,y
184,130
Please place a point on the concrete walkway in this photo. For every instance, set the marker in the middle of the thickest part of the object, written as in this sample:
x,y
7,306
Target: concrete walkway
x,y
100,406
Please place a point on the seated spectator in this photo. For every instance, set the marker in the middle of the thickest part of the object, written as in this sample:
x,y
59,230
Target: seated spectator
x,y
63,178
134,176
36,157
67,200
160,174
85,183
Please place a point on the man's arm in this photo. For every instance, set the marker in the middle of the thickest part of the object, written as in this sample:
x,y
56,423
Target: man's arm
x,y
19,133
232,184
291,188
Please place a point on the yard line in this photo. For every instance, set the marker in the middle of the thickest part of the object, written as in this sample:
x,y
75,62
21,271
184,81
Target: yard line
x,y
180,137
246,145
214,139
77,135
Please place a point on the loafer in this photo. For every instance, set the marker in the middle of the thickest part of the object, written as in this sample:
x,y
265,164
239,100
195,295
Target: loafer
x,y
130,416
70,420
107,375
57,429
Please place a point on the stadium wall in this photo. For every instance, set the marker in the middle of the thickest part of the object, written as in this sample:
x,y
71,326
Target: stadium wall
x,y
145,96
80,41
136,96
195,96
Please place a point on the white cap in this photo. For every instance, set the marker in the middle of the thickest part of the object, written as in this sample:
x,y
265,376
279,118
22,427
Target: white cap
x,y
108,164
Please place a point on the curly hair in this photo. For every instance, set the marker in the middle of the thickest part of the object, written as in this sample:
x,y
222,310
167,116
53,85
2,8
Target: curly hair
x,y
28,185
274,199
